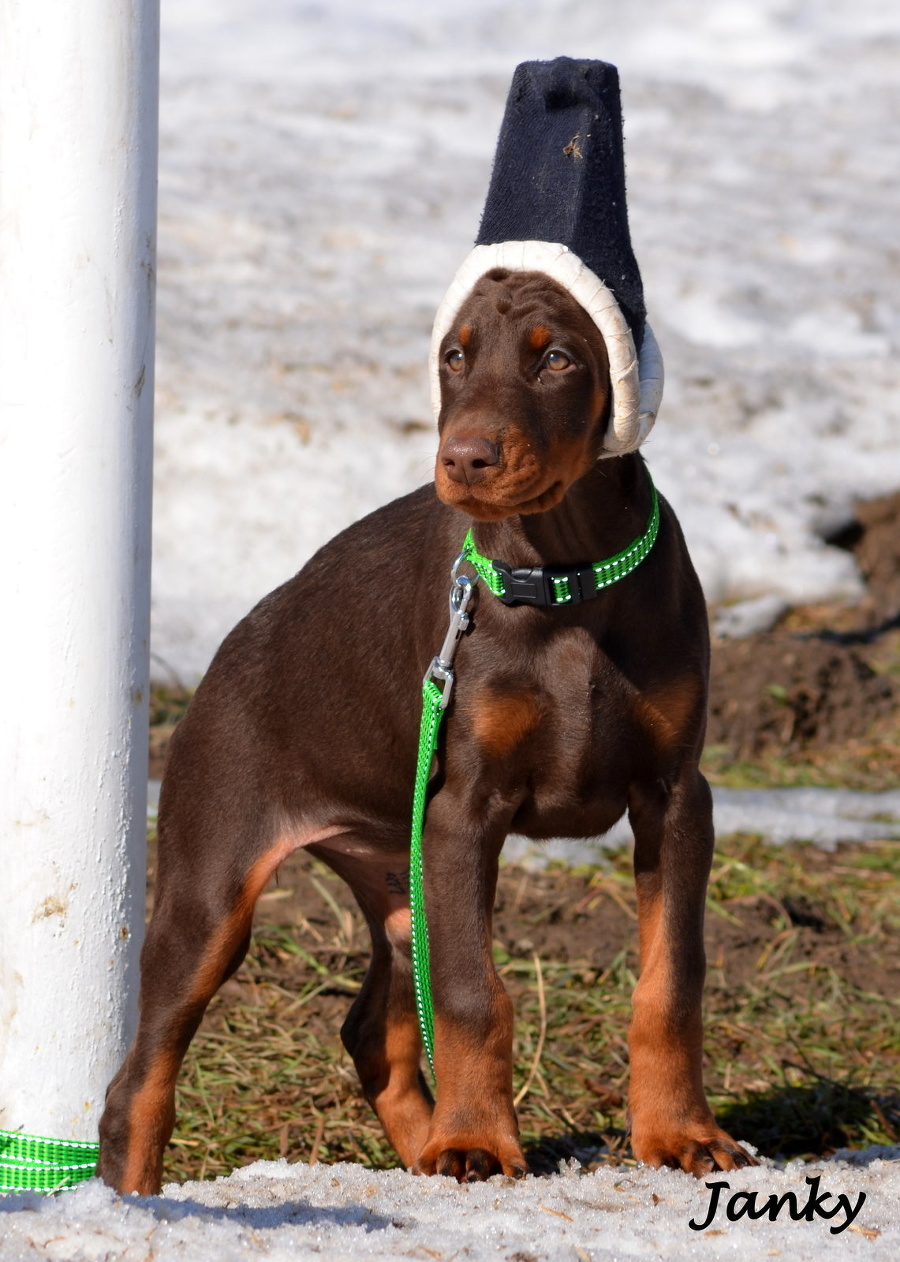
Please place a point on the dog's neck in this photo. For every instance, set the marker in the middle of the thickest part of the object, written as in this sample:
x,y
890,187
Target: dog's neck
x,y
600,514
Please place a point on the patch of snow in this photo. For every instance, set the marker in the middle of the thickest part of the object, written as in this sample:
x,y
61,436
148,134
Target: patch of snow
x,y
748,617
323,170
826,817
286,1213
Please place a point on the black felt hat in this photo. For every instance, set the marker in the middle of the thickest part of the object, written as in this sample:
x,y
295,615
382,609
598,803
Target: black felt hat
x,y
556,204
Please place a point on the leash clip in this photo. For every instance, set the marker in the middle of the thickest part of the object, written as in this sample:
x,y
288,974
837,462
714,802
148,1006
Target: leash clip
x,y
462,589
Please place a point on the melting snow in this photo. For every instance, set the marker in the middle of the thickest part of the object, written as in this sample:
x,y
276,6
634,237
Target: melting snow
x,y
283,1213
323,170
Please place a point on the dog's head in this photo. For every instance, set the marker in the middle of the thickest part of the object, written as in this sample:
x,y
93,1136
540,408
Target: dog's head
x,y
525,397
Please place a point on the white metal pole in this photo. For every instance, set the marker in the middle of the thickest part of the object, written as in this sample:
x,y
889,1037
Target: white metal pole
x,y
78,143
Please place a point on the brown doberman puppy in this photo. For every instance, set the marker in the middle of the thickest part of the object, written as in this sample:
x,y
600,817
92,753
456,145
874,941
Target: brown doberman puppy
x,y
304,734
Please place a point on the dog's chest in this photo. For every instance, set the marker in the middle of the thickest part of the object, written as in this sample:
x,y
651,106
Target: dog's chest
x,y
561,728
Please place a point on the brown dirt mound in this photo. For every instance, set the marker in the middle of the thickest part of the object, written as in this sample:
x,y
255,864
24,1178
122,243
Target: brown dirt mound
x,y
825,675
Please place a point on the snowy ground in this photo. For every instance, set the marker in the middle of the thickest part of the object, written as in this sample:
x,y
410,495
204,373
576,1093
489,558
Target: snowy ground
x,y
323,169
826,817
285,1213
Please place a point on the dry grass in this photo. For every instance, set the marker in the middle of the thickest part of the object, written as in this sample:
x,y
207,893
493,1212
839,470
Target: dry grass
x,y
803,1039
871,764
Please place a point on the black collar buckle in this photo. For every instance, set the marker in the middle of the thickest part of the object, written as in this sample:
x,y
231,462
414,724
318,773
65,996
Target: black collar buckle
x,y
546,585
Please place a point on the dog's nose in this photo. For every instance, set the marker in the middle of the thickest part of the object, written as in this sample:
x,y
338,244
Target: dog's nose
x,y
468,459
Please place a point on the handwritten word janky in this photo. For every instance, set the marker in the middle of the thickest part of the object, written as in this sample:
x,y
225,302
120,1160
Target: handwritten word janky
x,y
745,1203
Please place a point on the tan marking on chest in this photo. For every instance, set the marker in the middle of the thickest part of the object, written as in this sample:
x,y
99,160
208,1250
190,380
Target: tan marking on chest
x,y
669,712
501,721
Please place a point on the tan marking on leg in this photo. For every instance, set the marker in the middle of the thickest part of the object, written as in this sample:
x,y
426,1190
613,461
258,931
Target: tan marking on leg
x,y
672,1123
401,1105
150,1121
502,721
468,1066
665,1038
474,1126
227,937
397,927
151,1114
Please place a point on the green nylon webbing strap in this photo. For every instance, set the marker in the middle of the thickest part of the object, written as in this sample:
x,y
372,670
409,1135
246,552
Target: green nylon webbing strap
x,y
428,735
483,566
605,573
31,1163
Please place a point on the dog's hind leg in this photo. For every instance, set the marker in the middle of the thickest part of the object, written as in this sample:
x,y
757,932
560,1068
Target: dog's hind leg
x,y
671,1121
197,937
381,1031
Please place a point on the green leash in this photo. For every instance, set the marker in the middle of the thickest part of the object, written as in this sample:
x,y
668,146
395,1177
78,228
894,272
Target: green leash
x,y
432,711
31,1163
434,703
548,586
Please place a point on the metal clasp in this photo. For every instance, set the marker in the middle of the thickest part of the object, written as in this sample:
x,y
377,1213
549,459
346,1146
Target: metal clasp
x,y
462,589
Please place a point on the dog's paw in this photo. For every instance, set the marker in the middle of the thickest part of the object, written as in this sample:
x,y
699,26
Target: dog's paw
x,y
469,1164
699,1150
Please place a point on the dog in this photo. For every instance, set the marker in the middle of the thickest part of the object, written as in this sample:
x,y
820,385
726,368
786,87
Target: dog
x,y
304,734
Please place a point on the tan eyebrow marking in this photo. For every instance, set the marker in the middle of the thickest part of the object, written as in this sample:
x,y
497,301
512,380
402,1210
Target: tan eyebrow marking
x,y
539,337
465,335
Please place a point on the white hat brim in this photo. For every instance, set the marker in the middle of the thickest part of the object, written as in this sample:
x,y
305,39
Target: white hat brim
x,y
637,381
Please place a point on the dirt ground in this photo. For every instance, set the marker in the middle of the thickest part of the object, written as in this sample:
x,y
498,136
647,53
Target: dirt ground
x,y
823,676
559,915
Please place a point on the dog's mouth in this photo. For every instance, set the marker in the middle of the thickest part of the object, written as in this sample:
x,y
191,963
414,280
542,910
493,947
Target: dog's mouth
x,y
506,474
486,501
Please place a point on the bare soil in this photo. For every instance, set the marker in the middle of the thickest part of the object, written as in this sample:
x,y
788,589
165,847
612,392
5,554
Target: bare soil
x,y
561,915
827,674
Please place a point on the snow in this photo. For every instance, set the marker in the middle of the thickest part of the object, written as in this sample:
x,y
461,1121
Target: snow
x,y
825,817
323,170
748,617
284,1213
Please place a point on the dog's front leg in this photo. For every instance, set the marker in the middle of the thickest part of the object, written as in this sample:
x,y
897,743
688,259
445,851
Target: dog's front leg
x,y
671,1121
473,1132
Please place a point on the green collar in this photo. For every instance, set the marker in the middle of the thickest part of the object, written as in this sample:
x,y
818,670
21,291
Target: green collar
x,y
561,584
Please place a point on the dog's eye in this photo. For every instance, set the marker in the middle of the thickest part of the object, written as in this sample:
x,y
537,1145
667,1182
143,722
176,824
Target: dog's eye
x,y
455,359
556,361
